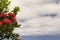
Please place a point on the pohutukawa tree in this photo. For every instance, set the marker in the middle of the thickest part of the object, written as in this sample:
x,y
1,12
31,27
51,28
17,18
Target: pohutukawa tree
x,y
8,21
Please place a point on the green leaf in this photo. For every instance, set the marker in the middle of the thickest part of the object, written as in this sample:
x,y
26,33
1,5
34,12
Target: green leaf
x,y
4,4
15,10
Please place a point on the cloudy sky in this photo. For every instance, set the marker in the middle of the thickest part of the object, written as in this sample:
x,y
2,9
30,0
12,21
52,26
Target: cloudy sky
x,y
38,17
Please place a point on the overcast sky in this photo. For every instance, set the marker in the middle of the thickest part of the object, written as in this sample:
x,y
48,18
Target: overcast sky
x,y
38,17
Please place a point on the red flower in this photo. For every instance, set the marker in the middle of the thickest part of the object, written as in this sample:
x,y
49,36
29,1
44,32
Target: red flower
x,y
12,14
4,14
0,15
6,20
13,18
0,23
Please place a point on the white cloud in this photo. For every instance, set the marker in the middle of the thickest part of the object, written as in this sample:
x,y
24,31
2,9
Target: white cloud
x,y
36,25
33,11
41,26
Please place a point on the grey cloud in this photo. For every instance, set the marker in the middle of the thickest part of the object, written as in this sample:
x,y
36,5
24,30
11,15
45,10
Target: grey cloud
x,y
48,14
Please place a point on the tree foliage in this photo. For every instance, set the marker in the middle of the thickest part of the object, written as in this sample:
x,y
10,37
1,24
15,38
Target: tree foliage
x,y
8,21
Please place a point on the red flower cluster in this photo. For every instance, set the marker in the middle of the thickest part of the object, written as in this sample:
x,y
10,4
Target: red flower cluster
x,y
0,15
6,20
1,24
13,16
3,14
